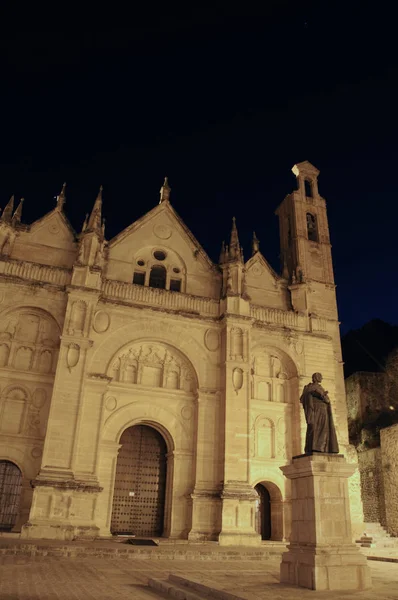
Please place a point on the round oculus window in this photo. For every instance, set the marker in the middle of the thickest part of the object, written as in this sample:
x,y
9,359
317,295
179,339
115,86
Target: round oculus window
x,y
176,270
159,255
140,263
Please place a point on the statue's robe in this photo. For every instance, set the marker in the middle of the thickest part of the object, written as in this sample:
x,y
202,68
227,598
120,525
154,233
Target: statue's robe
x,y
321,434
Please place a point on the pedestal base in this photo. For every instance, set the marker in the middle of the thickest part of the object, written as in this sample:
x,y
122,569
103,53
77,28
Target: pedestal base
x,y
321,554
239,539
327,569
63,509
66,533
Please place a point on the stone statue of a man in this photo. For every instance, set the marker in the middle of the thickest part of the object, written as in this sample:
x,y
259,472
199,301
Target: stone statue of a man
x,y
321,434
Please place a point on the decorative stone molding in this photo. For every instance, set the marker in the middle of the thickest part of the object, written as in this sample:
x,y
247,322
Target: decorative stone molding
x,y
101,322
72,356
212,340
275,316
237,379
78,486
165,299
34,271
238,490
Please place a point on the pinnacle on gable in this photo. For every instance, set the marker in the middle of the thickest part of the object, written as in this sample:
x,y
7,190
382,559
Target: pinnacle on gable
x,y
221,260
8,211
165,191
16,218
235,251
94,222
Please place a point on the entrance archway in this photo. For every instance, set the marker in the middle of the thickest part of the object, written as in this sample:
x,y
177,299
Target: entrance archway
x,y
269,516
140,483
263,524
10,494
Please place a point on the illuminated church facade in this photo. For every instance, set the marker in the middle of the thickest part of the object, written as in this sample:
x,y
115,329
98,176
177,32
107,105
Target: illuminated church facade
x,y
146,390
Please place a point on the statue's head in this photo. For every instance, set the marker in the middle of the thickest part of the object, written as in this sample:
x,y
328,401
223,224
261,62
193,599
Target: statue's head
x,y
317,377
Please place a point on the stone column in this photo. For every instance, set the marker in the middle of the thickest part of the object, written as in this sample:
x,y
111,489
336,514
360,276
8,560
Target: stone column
x,y
321,554
206,494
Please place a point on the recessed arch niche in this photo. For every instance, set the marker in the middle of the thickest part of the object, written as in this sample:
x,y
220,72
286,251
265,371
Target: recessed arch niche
x,y
274,375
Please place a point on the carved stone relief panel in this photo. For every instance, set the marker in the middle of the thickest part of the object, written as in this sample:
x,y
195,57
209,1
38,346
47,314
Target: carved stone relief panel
x,y
269,377
154,365
29,341
77,318
236,343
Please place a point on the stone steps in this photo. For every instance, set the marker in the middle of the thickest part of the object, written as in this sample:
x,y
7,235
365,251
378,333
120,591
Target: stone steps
x,y
187,589
376,536
111,550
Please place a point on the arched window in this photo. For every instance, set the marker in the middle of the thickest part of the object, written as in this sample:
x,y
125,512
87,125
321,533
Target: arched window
x,y
157,278
308,188
10,494
312,229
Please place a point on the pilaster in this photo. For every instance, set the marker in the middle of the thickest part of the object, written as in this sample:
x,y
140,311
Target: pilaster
x,y
67,487
206,494
238,497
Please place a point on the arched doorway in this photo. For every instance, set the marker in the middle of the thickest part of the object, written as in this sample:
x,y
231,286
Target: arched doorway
x,y
10,494
140,483
263,523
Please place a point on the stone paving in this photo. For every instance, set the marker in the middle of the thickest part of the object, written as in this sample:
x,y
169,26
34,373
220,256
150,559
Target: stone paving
x,y
46,578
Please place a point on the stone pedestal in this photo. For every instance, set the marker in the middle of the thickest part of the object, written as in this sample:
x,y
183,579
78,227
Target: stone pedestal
x,y
321,554
238,515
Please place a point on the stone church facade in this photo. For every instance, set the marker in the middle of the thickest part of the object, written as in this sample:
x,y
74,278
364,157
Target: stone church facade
x,y
145,389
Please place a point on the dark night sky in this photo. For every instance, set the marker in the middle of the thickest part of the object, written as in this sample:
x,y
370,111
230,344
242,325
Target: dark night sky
x,y
224,104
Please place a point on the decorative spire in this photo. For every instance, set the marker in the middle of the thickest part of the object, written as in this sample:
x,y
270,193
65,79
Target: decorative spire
x,y
95,219
16,218
85,223
8,211
61,199
235,251
222,254
165,191
255,244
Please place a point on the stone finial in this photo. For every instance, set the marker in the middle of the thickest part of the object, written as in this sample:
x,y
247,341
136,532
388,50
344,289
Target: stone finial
x,y
255,244
61,199
165,191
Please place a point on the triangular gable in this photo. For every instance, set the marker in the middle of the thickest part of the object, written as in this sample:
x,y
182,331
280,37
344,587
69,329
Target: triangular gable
x,y
263,285
175,220
54,229
266,269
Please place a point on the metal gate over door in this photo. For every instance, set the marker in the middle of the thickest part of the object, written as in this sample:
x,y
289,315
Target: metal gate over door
x,y
10,494
140,483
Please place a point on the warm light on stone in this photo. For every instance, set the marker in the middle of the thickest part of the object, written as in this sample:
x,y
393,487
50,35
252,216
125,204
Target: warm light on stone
x,y
211,357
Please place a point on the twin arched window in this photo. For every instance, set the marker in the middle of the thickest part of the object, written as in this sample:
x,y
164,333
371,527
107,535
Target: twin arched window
x,y
157,275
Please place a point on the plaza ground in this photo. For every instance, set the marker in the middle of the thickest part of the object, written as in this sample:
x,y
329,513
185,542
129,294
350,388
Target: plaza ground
x,y
52,578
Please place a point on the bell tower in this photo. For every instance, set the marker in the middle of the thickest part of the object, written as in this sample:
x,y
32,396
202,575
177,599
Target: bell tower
x,y
305,243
